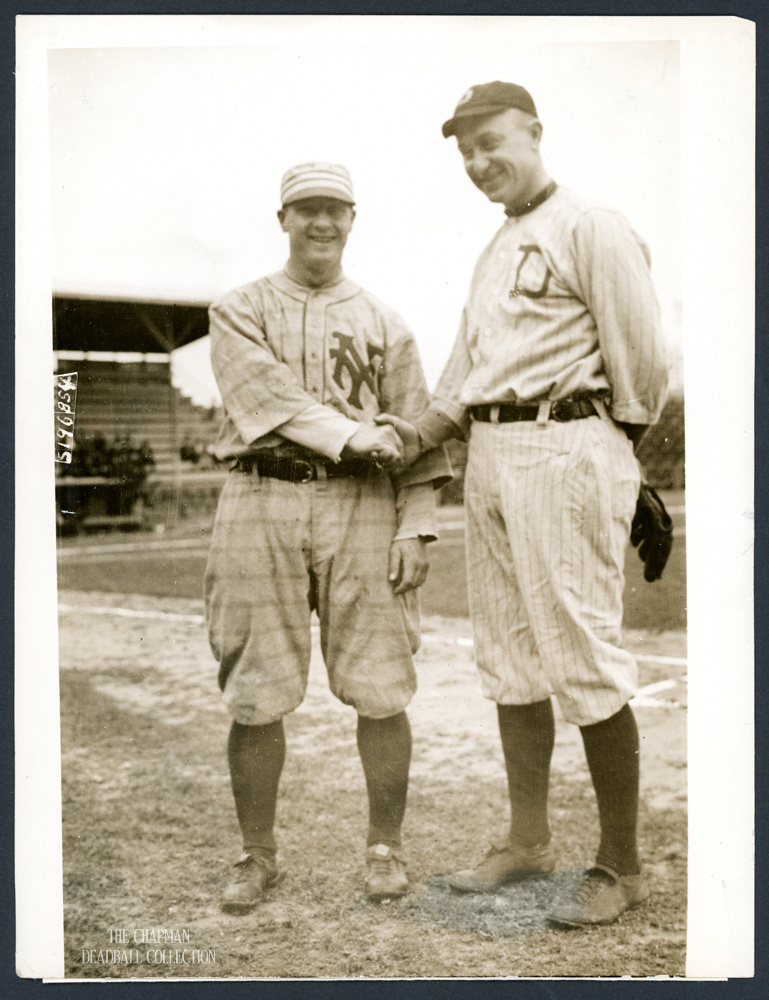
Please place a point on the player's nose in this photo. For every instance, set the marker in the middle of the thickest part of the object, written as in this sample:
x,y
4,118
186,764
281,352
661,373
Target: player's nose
x,y
476,164
323,220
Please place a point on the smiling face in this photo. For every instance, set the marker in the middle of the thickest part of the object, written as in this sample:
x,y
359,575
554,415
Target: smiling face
x,y
501,156
317,232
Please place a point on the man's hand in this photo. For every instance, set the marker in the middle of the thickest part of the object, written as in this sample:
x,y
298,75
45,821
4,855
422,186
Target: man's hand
x,y
379,444
408,564
408,434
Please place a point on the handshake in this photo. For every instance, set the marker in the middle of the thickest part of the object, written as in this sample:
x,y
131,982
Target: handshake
x,y
388,442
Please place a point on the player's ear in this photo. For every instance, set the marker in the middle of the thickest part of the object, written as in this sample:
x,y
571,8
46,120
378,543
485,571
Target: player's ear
x,y
536,131
282,218
352,215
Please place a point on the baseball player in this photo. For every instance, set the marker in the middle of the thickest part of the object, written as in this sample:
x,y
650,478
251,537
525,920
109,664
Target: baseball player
x,y
558,368
310,518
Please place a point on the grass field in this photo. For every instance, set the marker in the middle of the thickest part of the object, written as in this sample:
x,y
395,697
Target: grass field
x,y
178,571
150,831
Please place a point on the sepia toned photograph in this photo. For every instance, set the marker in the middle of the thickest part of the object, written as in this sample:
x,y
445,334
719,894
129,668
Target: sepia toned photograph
x,y
369,478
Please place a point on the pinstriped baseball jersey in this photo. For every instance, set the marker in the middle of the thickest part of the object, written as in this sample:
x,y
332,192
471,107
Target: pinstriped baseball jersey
x,y
561,303
277,347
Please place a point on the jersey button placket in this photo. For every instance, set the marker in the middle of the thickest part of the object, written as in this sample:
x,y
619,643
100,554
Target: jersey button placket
x,y
314,337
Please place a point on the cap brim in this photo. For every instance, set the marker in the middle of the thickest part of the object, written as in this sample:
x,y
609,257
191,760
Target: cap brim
x,y
319,192
472,111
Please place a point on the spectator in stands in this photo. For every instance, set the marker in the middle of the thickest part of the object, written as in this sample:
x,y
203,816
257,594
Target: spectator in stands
x,y
146,456
97,460
190,451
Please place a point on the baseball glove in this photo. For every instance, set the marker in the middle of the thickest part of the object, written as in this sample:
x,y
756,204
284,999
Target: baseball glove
x,y
651,532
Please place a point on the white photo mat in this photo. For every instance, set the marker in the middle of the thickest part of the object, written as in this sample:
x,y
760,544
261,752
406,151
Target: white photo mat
x,y
710,209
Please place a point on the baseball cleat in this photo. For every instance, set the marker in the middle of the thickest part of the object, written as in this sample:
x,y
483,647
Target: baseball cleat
x,y
254,874
385,872
506,861
601,898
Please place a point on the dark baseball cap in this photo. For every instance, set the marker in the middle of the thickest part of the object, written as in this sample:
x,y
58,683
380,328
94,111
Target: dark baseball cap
x,y
489,99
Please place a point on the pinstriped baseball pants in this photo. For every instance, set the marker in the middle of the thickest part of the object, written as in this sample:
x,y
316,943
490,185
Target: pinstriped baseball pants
x,y
548,521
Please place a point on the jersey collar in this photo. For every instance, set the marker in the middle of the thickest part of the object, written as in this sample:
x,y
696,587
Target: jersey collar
x,y
337,292
535,202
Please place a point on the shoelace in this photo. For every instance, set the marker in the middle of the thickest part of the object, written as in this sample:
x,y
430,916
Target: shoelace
x,y
383,866
248,863
592,885
384,863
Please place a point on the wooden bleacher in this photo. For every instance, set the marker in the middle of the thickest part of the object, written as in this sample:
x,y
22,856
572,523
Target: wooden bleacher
x,y
136,399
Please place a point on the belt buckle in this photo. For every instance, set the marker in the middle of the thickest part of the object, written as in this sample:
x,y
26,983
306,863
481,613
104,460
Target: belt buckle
x,y
304,472
558,412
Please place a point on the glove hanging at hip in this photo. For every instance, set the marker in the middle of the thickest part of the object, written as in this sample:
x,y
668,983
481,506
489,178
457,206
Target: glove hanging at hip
x,y
651,532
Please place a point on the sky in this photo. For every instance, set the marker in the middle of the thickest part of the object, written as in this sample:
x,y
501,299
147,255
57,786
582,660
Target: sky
x,y
166,159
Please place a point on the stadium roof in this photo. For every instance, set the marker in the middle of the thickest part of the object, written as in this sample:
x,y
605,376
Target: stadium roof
x,y
99,323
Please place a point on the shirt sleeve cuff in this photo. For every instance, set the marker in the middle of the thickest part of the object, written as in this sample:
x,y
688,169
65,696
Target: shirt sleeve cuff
x,y
415,507
321,429
432,467
441,422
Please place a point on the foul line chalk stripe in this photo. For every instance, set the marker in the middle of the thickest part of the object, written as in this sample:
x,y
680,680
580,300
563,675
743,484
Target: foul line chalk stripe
x,y
169,616
134,555
173,616
642,702
70,552
670,661
655,688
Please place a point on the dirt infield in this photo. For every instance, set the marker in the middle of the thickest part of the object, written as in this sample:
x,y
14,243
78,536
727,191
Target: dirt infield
x,y
150,830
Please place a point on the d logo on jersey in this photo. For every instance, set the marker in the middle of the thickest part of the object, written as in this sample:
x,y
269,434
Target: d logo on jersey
x,y
348,359
533,274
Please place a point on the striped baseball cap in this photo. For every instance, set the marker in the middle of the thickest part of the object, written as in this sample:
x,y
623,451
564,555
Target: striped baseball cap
x,y
316,180
489,99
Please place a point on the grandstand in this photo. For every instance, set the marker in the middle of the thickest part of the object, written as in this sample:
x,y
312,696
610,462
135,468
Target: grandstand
x,y
120,399
121,351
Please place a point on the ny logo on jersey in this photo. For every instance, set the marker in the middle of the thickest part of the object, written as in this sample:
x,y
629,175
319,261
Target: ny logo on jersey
x,y
348,359
533,275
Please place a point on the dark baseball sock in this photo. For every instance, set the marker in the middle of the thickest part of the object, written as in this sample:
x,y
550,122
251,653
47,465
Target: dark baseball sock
x,y
612,751
528,737
256,755
385,752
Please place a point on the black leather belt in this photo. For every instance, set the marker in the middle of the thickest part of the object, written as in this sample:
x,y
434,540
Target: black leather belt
x,y
300,470
561,410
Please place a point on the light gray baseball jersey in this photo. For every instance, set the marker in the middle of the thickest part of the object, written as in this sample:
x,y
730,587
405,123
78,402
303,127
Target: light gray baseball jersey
x,y
279,348
282,351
